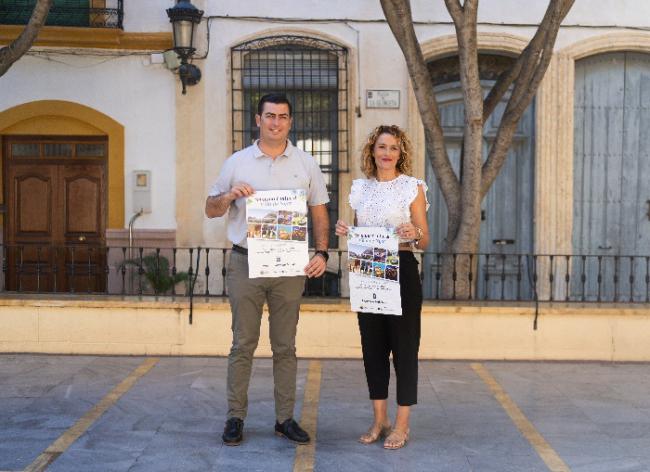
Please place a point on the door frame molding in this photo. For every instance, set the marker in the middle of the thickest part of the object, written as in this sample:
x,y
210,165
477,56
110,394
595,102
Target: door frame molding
x,y
444,46
61,118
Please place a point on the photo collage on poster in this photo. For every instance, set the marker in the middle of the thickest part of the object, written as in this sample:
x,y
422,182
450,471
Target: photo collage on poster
x,y
280,225
374,262
373,265
277,233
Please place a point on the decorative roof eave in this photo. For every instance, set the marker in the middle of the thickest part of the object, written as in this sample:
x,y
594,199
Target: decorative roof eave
x,y
96,38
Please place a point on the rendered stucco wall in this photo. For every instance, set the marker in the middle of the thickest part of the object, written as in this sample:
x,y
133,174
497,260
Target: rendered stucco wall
x,y
132,327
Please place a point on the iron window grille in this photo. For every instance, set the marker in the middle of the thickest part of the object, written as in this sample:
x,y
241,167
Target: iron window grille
x,y
313,74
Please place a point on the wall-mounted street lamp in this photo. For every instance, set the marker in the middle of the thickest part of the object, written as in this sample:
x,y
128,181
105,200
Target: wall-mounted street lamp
x,y
184,17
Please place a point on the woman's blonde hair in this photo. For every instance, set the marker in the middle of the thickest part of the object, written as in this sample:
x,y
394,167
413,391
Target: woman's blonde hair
x,y
368,166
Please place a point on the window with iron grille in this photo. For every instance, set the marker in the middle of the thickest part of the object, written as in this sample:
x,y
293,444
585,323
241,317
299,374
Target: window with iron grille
x,y
313,75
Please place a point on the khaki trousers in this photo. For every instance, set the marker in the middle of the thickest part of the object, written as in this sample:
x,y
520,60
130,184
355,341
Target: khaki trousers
x,y
247,297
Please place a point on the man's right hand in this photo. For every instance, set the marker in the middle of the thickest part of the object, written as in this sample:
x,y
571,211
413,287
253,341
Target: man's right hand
x,y
239,190
218,205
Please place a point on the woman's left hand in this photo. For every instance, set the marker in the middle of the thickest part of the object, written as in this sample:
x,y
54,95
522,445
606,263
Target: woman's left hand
x,y
408,231
341,228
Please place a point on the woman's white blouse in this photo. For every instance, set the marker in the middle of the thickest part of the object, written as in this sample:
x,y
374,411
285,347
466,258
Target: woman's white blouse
x,y
385,204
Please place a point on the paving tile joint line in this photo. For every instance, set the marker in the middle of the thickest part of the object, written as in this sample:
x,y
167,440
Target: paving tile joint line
x,y
527,429
65,440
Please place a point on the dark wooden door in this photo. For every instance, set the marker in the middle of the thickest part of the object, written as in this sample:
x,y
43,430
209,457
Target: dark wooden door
x,y
55,196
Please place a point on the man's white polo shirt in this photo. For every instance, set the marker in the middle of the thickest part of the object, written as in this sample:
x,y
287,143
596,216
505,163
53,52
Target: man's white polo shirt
x,y
293,169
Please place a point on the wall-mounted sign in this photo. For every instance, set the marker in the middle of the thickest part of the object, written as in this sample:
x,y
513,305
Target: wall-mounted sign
x,y
141,191
382,98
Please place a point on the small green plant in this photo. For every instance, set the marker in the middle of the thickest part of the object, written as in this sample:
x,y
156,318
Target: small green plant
x,y
157,276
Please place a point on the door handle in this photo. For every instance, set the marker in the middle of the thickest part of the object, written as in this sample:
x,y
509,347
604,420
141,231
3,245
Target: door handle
x,y
82,238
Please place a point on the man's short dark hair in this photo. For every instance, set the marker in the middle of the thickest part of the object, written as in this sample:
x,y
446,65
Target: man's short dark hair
x,y
276,98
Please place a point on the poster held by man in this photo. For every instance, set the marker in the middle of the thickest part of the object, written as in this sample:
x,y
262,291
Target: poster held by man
x,y
277,233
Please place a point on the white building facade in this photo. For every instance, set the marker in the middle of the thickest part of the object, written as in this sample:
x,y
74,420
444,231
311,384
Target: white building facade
x,y
574,182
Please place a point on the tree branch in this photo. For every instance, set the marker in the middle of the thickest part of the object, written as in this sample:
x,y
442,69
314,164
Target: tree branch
x,y
533,69
455,10
14,51
548,33
398,15
466,31
470,7
505,80
503,83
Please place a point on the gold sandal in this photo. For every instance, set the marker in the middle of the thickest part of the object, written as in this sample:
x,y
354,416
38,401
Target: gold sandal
x,y
374,433
396,439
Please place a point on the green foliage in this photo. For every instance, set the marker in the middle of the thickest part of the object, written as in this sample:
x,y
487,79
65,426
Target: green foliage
x,y
156,273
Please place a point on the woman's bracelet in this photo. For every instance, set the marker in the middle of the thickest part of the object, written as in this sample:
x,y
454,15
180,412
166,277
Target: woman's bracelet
x,y
419,233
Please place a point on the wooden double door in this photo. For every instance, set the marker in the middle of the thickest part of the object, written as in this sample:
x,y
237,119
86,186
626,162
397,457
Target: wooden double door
x,y
506,210
611,164
55,202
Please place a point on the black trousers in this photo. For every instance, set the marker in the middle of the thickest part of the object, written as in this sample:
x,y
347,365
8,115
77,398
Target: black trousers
x,y
383,334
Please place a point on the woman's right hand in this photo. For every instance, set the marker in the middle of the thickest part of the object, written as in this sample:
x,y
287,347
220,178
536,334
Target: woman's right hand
x,y
341,228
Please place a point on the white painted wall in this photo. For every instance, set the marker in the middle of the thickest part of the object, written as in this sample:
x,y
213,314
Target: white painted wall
x,y
142,96
584,12
147,15
380,64
129,89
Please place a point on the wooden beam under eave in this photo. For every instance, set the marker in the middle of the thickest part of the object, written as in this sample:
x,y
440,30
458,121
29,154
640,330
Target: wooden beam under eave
x,y
96,38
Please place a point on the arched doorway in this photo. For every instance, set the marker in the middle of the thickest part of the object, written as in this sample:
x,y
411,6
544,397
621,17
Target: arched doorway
x,y
507,210
63,185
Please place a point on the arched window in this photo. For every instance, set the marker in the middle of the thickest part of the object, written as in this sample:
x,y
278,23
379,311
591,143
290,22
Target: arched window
x,y
313,75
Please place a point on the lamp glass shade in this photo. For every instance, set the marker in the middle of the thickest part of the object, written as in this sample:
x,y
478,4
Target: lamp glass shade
x,y
183,34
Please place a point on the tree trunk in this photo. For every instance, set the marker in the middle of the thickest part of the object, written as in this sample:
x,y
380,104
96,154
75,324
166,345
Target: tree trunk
x,y
463,197
18,47
459,264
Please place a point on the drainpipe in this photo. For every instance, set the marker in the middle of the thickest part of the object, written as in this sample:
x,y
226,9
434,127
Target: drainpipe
x,y
131,223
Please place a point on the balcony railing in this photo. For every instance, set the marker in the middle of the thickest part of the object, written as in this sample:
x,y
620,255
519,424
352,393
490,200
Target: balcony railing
x,y
143,271
81,13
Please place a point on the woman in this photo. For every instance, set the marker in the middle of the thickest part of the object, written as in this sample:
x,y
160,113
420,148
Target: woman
x,y
389,197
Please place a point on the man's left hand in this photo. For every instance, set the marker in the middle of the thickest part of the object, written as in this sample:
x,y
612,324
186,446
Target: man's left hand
x,y
316,266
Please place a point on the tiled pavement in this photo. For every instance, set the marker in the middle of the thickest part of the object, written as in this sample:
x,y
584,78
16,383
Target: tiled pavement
x,y
594,416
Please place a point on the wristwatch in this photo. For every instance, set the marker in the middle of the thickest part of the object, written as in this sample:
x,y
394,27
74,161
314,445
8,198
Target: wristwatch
x,y
323,253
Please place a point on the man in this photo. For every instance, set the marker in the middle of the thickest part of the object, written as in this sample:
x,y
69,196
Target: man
x,y
271,163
